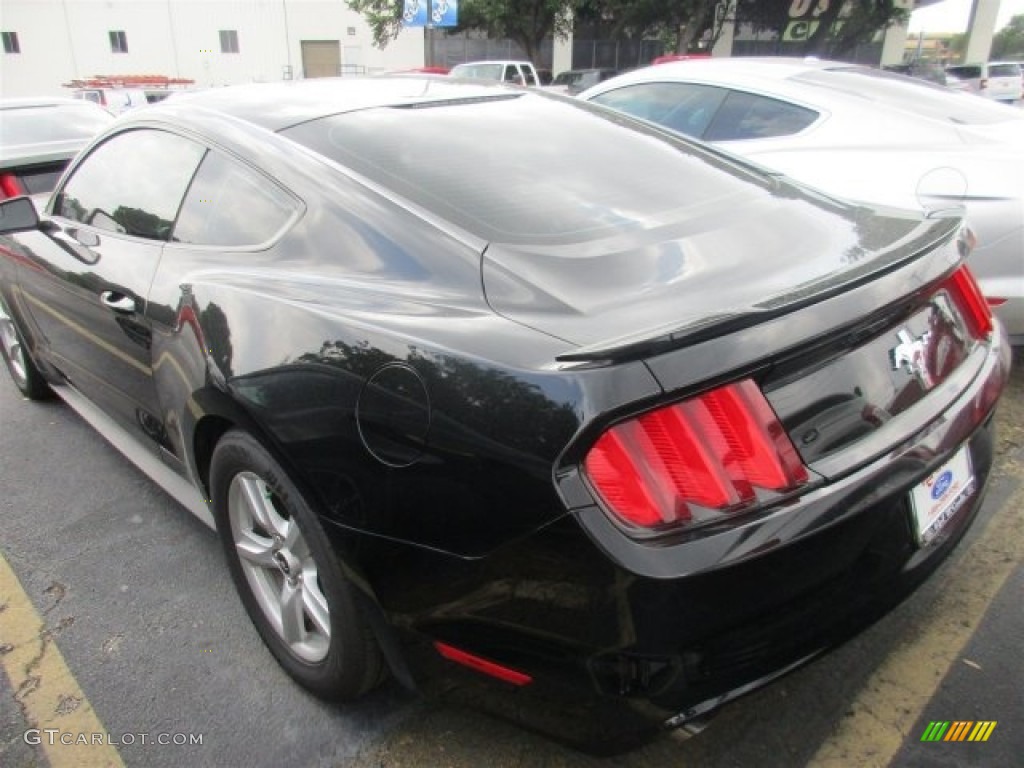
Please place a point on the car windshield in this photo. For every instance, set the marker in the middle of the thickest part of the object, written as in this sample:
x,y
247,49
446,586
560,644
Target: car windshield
x,y
480,71
906,94
50,123
541,175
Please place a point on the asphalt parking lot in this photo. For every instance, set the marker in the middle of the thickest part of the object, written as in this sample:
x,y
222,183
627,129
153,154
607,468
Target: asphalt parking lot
x,y
117,617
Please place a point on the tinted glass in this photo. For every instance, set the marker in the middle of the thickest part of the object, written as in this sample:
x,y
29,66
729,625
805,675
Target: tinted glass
x,y
230,205
906,94
683,107
1004,70
132,183
965,72
746,116
43,124
41,178
526,168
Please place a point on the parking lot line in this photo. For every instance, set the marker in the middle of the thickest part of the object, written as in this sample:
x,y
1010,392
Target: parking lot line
x,y
46,691
896,694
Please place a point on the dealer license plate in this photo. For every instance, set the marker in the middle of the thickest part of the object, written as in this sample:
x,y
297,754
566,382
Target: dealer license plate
x,y
937,499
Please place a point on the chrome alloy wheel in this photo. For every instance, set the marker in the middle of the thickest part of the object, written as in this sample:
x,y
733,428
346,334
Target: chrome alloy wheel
x,y
13,350
279,567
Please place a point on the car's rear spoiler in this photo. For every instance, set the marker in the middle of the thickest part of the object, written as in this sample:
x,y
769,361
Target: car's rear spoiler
x,y
660,341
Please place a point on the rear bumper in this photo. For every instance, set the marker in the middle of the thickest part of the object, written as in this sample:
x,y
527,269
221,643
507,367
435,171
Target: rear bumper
x,y
854,556
616,654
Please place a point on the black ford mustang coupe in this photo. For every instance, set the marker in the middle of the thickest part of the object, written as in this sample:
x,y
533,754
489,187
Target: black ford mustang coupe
x,y
591,424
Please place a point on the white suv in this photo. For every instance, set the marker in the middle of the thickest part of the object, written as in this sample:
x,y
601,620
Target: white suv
x,y
516,72
998,80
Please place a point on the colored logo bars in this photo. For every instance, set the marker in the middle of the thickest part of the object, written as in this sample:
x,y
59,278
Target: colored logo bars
x,y
958,730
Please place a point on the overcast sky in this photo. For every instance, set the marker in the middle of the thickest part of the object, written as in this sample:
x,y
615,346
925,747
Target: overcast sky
x,y
951,15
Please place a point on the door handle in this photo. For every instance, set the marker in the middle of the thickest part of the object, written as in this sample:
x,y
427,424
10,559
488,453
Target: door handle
x,y
118,302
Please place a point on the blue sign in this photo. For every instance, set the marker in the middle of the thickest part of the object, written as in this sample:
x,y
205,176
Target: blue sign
x,y
414,13
445,13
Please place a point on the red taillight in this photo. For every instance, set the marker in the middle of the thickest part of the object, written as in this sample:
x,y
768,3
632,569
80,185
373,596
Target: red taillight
x,y
966,294
693,461
481,664
11,186
995,301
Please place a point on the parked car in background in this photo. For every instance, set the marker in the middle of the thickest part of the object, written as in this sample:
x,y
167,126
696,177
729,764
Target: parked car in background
x,y
996,80
597,445
922,69
116,100
120,93
433,70
670,57
858,133
574,81
38,138
512,72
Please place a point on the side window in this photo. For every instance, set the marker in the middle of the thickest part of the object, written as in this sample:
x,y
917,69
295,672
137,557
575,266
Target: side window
x,y
746,116
230,205
684,107
132,183
528,74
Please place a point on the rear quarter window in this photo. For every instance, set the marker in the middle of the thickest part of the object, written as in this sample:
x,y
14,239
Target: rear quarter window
x,y
748,116
231,205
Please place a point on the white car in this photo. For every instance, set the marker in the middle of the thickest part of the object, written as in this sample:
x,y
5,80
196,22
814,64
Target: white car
x,y
857,133
39,137
997,80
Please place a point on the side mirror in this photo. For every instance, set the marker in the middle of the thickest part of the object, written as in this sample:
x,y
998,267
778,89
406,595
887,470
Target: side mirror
x,y
18,215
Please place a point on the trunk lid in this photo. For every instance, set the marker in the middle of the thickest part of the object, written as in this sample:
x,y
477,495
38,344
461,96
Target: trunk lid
x,y
733,258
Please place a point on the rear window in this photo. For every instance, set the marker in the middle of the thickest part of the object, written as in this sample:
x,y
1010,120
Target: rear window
x,y
906,94
527,168
1004,70
43,124
480,71
967,72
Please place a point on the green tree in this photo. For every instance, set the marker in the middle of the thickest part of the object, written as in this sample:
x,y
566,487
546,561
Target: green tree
x,y
1008,42
527,22
383,16
682,24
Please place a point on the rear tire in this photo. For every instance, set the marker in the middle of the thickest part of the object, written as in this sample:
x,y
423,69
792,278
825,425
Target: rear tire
x,y
24,374
288,575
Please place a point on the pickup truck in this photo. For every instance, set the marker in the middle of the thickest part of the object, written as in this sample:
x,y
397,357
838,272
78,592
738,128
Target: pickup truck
x,y
517,72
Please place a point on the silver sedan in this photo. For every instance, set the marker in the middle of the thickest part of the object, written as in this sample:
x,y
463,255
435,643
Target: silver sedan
x,y
857,133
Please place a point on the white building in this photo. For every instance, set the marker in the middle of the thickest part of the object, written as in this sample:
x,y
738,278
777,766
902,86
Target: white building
x,y
214,42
